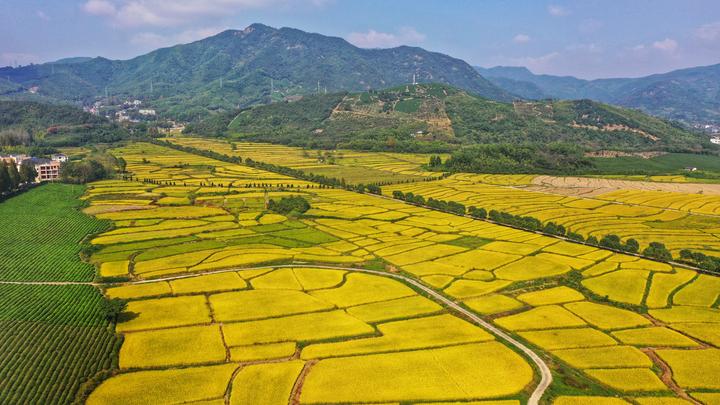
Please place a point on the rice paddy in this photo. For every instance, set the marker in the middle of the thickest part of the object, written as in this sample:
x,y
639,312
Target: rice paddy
x,y
251,291
681,219
353,166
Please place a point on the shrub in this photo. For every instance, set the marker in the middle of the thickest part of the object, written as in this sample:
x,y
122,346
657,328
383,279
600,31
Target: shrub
x,y
658,251
631,245
612,242
477,212
113,307
288,205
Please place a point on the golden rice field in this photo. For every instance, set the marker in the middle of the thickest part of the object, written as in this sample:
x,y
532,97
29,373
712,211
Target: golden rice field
x,y
331,328
353,166
259,335
679,220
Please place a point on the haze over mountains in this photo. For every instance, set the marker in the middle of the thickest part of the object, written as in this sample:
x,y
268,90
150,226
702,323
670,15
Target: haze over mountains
x,y
690,95
261,64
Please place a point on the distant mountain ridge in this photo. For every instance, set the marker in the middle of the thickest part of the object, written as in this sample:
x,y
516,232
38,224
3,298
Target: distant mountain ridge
x,y
691,95
244,67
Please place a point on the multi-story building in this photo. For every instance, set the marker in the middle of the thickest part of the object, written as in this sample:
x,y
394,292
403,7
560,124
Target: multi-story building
x,y
47,170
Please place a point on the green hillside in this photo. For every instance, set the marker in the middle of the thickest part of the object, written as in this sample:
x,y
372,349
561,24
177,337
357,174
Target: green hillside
x,y
434,117
25,123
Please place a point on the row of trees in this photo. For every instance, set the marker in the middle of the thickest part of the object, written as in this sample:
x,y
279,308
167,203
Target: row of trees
x,y
441,205
654,250
12,179
700,260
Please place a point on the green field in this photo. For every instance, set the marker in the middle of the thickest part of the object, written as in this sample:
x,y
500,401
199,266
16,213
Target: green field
x,y
41,234
53,338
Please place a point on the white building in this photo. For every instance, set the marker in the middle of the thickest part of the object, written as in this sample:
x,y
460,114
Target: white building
x,y
146,111
715,140
59,157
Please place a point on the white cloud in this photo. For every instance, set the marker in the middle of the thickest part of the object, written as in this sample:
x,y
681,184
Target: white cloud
x,y
708,32
164,13
587,48
521,38
666,45
376,39
41,15
590,25
557,11
153,40
99,7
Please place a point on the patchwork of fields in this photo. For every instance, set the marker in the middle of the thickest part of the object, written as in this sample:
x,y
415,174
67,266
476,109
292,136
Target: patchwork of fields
x,y
353,166
679,220
316,335
611,325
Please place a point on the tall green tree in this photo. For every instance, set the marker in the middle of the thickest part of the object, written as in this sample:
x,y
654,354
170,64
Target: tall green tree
x,y
28,174
122,164
5,183
14,175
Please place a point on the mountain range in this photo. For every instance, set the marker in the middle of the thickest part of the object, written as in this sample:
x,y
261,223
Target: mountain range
x,y
260,64
238,68
689,95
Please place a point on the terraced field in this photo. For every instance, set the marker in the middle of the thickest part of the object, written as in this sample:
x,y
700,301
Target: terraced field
x,y
614,328
679,220
353,166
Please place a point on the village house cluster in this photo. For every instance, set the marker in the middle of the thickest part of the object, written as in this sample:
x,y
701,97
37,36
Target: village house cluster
x,y
127,111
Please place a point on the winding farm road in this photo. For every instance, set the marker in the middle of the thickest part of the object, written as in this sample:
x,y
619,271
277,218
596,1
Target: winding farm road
x,y
545,374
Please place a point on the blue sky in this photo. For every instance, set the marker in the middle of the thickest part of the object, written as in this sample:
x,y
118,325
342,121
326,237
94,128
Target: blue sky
x,y
588,39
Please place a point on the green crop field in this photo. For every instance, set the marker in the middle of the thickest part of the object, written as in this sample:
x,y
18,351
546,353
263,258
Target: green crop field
x,y
41,234
53,338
